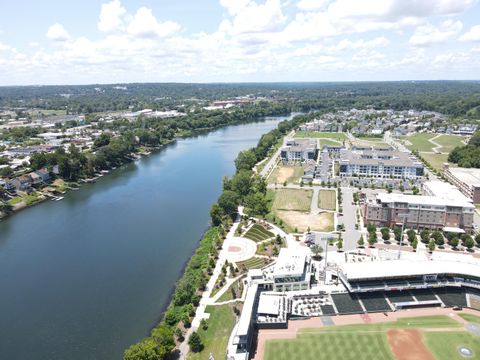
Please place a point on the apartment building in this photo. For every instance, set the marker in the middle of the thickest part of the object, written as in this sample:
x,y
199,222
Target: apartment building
x,y
380,164
299,150
430,212
467,180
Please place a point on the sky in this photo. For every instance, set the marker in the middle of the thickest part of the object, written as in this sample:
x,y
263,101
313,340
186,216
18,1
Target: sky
x,y
122,41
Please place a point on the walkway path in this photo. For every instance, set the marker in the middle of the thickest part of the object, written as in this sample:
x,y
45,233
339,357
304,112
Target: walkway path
x,y
274,159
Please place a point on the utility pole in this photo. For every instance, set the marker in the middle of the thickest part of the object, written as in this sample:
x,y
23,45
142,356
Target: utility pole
x,y
404,216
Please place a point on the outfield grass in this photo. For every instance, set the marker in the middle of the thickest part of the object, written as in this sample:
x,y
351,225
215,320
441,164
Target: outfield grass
x,y
444,345
258,233
327,199
435,160
292,199
360,341
470,318
449,142
420,142
215,338
340,136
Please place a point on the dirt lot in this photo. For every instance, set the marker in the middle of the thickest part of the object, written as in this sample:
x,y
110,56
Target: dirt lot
x,y
301,221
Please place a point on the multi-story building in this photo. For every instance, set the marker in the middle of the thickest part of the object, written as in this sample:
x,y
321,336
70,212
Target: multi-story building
x,y
299,150
432,212
380,164
467,180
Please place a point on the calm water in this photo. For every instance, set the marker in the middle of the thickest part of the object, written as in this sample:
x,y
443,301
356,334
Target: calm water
x,y
86,277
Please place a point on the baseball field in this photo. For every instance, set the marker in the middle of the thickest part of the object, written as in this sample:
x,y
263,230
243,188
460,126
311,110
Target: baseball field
x,y
437,337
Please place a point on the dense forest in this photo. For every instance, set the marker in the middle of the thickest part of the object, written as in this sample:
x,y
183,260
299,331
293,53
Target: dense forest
x,y
455,98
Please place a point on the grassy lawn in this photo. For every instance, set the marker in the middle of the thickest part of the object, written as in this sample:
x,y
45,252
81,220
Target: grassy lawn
x,y
15,200
444,345
325,142
449,142
327,199
436,160
258,233
215,338
290,174
237,286
321,135
292,199
420,142
353,342
470,318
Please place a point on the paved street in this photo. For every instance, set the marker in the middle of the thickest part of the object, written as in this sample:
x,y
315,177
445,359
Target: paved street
x,y
351,235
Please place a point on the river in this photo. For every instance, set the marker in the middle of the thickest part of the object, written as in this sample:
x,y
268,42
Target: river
x,y
85,277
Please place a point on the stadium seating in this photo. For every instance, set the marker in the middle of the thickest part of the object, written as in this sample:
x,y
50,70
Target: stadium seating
x,y
399,296
423,294
347,303
327,309
452,296
374,301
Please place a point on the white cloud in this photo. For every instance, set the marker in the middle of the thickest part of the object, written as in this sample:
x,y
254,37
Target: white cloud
x,y
111,16
57,32
428,34
472,35
144,24
234,6
308,5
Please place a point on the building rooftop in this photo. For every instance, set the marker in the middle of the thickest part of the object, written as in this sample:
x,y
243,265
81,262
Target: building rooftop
x,y
289,263
373,157
403,268
424,200
469,176
269,304
443,190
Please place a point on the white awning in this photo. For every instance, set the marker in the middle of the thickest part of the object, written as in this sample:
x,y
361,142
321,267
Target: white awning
x,y
453,230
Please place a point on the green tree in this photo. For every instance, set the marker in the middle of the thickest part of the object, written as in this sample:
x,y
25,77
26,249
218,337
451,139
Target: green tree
x,y
385,233
453,242
195,342
397,232
477,239
5,207
361,242
228,202
411,235
431,245
372,238
339,244
317,250
6,172
216,214
147,349
468,242
415,244
425,236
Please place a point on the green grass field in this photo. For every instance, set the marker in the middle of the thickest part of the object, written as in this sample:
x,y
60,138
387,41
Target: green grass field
x,y
470,318
215,338
449,142
321,135
237,286
435,160
420,142
353,342
327,199
258,233
324,142
293,199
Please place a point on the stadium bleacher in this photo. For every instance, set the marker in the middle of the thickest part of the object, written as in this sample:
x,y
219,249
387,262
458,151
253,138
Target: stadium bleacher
x,y
396,283
374,301
423,294
347,303
399,296
327,309
452,296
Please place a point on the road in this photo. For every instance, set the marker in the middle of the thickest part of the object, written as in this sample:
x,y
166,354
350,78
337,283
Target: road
x,y
350,235
273,160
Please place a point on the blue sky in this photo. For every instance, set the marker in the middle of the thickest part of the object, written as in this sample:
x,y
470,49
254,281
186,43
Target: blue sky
x,y
110,41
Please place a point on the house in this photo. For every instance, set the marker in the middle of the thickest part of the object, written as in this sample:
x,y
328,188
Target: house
x,y
22,183
44,174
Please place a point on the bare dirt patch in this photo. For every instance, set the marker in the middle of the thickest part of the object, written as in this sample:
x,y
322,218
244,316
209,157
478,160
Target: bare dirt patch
x,y
407,344
284,173
234,248
302,221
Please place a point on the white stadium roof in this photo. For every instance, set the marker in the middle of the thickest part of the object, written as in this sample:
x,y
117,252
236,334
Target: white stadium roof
x,y
405,268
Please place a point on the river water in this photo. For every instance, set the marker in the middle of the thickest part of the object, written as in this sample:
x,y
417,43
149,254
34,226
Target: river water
x,y
85,277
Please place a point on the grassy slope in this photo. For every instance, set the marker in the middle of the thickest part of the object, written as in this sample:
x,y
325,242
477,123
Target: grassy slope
x,y
294,178
449,142
436,160
215,338
420,142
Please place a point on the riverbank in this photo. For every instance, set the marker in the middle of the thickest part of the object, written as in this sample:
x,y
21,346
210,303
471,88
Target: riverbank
x,y
172,331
